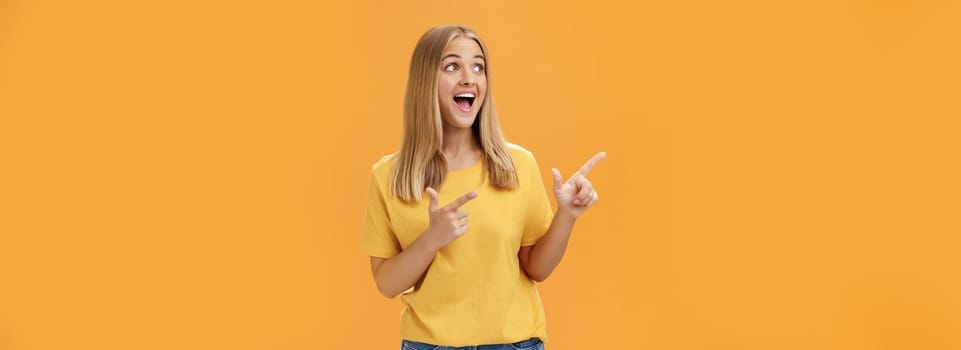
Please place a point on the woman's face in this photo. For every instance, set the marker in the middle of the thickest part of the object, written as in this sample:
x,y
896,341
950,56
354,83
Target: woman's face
x,y
463,82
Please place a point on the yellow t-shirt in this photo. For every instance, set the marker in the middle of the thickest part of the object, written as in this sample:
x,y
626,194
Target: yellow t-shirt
x,y
474,292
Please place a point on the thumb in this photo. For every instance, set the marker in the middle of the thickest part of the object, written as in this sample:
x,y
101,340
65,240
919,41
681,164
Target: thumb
x,y
557,179
433,199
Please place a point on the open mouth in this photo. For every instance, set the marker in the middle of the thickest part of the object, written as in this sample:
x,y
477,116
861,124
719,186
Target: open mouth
x,y
464,101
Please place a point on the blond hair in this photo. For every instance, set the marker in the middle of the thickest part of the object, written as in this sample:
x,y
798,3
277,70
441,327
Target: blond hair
x,y
420,163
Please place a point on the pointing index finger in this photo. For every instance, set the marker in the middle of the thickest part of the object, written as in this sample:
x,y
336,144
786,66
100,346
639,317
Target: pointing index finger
x,y
591,163
461,201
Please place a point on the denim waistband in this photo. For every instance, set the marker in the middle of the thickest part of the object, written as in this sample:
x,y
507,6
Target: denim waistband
x,y
529,344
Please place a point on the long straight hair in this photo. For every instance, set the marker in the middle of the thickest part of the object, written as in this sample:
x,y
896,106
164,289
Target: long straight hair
x,y
419,162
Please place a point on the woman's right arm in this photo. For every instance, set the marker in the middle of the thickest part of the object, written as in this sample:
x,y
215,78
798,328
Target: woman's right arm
x,y
397,274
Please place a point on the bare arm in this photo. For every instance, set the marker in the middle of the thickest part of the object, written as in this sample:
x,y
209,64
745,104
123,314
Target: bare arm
x,y
397,274
573,198
539,260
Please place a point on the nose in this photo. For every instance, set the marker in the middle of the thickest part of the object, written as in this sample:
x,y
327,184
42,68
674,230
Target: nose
x,y
467,79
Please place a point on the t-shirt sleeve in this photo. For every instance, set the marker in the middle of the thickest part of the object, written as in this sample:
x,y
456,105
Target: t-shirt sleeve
x,y
377,237
539,213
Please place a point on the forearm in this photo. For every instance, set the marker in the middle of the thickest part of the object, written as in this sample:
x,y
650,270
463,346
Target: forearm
x,y
547,253
399,273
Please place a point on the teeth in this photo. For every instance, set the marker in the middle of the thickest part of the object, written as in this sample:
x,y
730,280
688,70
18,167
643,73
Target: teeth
x,y
466,94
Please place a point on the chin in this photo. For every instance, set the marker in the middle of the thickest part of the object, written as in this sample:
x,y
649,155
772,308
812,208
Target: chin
x,y
461,121
468,122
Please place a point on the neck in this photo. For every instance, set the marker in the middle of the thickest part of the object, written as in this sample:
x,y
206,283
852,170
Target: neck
x,y
458,143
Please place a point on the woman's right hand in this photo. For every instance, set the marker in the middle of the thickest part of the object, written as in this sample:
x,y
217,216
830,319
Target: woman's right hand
x,y
446,223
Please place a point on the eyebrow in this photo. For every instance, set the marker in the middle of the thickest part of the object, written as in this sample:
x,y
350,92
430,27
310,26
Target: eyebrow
x,y
458,56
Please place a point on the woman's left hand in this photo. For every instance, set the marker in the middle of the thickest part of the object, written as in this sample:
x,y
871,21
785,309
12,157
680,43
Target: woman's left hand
x,y
576,194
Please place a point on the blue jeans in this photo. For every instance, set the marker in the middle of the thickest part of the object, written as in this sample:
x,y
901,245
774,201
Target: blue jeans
x,y
529,344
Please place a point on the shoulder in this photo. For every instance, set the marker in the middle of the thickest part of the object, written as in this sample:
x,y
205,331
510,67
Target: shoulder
x,y
381,168
519,153
523,158
524,162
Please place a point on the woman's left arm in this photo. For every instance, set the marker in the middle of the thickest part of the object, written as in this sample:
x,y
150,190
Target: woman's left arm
x,y
573,197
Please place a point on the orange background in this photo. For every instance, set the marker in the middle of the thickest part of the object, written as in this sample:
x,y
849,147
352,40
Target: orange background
x,y
191,174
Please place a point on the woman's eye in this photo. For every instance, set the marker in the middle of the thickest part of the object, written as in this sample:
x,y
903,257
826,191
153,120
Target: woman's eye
x,y
478,68
450,67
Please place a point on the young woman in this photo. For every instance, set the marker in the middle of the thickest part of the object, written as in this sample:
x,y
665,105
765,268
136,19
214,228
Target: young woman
x,y
458,219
